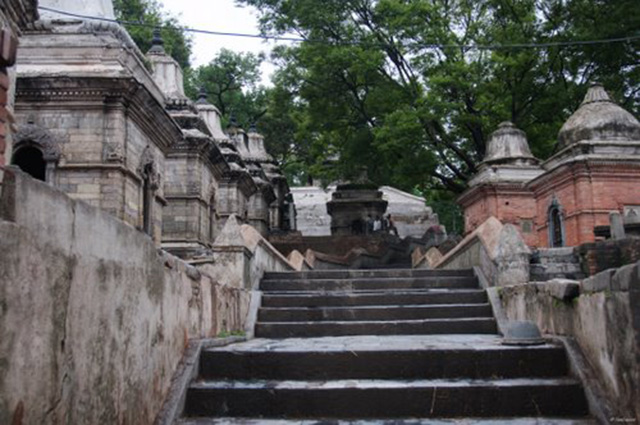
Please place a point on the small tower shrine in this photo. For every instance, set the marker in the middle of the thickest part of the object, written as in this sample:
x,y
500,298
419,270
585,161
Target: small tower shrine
x,y
498,189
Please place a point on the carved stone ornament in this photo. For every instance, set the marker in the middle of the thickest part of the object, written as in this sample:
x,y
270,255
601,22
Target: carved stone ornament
x,y
147,169
31,134
113,152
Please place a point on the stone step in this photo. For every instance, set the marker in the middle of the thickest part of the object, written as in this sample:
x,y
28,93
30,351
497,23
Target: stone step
x,y
390,363
361,399
368,283
370,313
380,273
367,298
439,421
479,325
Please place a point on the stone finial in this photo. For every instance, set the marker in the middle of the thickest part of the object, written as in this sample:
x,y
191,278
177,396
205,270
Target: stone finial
x,y
599,119
166,71
157,43
508,145
93,8
202,96
233,121
596,93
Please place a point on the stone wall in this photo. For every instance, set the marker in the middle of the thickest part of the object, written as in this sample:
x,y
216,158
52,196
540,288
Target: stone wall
x,y
604,319
602,255
93,319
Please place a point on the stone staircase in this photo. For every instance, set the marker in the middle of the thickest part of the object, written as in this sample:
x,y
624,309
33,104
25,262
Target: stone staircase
x,y
385,346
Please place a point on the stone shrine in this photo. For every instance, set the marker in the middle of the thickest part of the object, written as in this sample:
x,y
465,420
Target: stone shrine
x,y
194,165
127,140
101,133
352,206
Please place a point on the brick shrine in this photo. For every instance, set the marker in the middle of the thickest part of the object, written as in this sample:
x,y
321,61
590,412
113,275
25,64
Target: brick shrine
x,y
560,201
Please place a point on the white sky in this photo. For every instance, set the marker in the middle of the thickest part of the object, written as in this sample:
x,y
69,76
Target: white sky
x,y
224,16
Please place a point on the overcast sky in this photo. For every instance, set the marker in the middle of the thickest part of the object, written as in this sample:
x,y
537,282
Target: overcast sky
x,y
220,15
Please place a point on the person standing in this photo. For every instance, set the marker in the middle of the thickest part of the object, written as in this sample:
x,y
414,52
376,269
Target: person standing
x,y
392,227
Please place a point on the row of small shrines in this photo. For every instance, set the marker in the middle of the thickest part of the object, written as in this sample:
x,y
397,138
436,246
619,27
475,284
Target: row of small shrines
x,y
106,124
109,125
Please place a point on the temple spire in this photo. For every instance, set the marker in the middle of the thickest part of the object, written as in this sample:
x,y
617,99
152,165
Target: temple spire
x,y
157,43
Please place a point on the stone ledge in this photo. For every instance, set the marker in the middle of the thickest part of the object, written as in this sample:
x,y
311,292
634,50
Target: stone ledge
x,y
624,279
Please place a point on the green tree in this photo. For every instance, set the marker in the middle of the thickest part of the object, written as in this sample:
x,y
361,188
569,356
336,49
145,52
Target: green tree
x,y
231,81
397,87
177,43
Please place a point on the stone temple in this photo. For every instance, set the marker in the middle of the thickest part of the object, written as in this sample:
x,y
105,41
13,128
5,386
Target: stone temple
x,y
151,271
129,141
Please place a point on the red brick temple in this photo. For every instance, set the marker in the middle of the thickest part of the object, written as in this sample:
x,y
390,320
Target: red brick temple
x,y
559,202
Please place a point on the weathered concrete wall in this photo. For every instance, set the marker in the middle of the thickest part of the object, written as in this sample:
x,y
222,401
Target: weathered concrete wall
x,y
604,320
93,320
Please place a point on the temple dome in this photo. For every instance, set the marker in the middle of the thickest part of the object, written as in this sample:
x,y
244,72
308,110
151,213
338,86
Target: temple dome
x,y
508,145
599,118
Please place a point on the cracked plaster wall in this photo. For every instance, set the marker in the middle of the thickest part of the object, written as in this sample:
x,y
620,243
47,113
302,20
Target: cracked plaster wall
x,y
93,320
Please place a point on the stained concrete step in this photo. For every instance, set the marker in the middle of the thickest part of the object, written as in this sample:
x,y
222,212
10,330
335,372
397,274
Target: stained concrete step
x,y
361,399
449,282
476,325
364,298
370,313
446,363
440,421
380,273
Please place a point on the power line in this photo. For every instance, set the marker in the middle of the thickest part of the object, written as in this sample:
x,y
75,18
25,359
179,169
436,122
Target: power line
x,y
360,43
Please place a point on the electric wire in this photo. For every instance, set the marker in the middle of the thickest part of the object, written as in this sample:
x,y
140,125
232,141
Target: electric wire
x,y
543,45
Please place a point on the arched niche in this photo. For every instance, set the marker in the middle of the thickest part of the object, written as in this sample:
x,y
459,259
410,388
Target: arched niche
x,y
555,220
36,151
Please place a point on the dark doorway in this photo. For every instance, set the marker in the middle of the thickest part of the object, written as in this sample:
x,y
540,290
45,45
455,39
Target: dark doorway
x,y
31,161
556,231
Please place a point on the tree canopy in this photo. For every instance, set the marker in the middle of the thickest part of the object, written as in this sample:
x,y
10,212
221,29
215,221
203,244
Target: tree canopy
x,y
231,81
401,88
177,43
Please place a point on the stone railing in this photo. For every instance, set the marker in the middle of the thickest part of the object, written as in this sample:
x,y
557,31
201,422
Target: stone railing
x,y
496,249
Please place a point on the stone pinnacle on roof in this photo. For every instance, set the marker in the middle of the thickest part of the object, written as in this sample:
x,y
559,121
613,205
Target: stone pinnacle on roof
x,y
599,119
202,96
508,145
157,43
233,121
